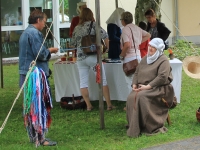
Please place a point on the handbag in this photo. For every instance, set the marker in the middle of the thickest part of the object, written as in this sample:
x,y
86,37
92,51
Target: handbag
x,y
130,67
88,43
72,102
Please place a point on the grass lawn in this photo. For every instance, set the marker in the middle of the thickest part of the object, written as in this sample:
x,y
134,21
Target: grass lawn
x,y
80,130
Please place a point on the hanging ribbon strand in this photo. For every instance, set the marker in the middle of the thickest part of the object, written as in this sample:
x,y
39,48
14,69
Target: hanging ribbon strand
x,y
37,105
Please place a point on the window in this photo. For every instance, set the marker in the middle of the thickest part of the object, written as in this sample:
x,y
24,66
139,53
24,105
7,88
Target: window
x,y
11,13
10,43
64,11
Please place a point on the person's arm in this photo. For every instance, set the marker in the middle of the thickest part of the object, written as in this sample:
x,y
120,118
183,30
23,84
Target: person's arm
x,y
73,39
106,42
74,23
163,74
145,36
104,34
164,32
144,87
125,42
35,41
147,45
126,46
53,49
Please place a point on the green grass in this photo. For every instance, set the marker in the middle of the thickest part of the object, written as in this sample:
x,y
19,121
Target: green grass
x,y
80,130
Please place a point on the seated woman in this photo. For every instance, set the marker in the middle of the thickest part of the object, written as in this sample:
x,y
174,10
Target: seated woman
x,y
146,112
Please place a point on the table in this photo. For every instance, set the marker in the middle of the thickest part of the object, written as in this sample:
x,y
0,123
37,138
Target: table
x,y
66,80
176,65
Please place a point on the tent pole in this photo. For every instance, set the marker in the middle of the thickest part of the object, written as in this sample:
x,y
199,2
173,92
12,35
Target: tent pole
x,y
99,60
116,3
1,65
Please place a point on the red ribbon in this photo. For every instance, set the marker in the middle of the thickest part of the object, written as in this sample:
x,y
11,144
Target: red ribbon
x,y
98,75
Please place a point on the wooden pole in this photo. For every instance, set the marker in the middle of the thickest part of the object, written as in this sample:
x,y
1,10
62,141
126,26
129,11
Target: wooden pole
x,y
99,50
116,3
1,65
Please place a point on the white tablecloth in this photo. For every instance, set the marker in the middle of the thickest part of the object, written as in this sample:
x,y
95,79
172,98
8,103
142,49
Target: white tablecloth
x,y
66,81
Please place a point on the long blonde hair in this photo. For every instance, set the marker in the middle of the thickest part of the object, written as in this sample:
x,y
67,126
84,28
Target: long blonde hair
x,y
86,15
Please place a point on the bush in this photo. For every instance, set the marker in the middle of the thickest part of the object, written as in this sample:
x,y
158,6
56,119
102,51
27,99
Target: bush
x,y
182,49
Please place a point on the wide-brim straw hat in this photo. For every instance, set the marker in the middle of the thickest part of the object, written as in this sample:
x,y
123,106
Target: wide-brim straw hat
x,y
191,66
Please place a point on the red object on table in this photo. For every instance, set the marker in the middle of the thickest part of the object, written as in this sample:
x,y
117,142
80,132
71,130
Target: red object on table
x,y
70,59
170,51
63,58
98,75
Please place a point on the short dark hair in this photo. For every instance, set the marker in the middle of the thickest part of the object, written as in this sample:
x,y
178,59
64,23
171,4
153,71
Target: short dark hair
x,y
35,14
143,25
150,12
127,17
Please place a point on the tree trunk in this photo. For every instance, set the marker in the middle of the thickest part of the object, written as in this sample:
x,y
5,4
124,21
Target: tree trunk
x,y
142,6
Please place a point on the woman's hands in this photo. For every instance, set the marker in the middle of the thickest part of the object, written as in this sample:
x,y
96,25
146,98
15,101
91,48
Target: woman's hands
x,y
141,87
53,50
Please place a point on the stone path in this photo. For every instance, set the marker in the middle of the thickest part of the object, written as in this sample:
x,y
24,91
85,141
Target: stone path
x,y
188,144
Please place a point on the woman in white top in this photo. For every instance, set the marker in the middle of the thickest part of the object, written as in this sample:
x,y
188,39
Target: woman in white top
x,y
129,51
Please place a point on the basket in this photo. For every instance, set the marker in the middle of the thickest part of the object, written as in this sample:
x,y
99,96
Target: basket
x,y
72,102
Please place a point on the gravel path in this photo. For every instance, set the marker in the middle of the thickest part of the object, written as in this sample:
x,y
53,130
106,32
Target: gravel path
x,y
188,144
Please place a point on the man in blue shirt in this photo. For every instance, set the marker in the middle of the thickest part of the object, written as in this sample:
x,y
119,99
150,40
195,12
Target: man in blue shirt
x,y
30,46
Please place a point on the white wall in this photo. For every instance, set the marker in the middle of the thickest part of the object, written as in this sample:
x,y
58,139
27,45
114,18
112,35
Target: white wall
x,y
168,15
108,6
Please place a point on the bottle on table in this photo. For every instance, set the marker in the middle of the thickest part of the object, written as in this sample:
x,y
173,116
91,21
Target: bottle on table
x,y
75,55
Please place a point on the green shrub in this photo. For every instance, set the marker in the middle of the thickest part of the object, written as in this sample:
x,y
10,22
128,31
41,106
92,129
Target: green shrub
x,y
182,48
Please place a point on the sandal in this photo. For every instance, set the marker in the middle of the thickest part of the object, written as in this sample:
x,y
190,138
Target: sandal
x,y
111,107
124,108
49,143
90,108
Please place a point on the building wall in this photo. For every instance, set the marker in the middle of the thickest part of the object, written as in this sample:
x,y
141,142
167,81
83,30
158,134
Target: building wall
x,y
168,17
189,20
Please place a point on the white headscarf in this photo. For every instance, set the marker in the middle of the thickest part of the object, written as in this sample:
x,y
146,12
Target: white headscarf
x,y
78,5
115,17
159,45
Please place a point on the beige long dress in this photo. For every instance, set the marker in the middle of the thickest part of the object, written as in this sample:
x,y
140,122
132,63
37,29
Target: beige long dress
x,y
146,112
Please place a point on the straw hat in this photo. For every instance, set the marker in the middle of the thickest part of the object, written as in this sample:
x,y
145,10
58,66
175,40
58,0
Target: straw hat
x,y
191,66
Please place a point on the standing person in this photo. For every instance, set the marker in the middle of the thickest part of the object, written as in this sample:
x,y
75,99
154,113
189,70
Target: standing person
x,y
30,43
114,32
146,111
75,20
129,52
143,46
86,62
156,28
